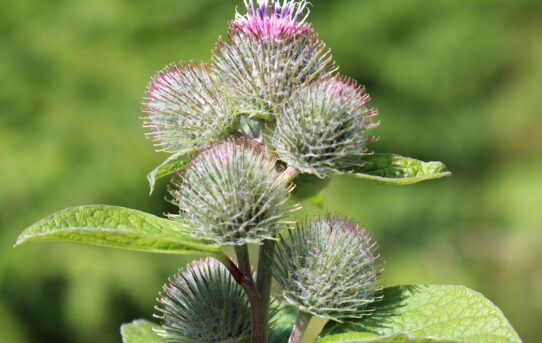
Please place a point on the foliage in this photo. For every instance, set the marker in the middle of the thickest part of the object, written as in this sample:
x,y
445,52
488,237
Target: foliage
x,y
421,313
451,79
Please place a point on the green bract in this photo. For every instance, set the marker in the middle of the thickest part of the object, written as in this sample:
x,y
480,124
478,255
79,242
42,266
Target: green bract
x,y
204,304
232,193
329,268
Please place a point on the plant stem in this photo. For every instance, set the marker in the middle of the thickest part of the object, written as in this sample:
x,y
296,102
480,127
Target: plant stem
x,y
301,324
243,260
258,293
241,279
263,287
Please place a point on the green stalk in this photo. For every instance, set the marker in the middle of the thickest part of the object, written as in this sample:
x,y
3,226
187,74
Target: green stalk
x,y
263,287
300,326
243,260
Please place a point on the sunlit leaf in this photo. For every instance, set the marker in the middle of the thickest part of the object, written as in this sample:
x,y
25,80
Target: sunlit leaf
x,y
361,337
396,169
427,313
140,331
117,227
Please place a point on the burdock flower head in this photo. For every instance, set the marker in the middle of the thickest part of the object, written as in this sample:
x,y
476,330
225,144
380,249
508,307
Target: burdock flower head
x,y
233,193
204,304
329,268
272,20
186,108
273,50
323,127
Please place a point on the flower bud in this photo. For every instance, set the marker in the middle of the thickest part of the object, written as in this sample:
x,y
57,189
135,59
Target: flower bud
x,y
272,51
204,304
186,108
323,127
329,268
232,193
271,20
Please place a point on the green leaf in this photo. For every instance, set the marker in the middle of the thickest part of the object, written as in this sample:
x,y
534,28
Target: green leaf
x,y
140,331
283,322
360,337
168,167
399,170
117,227
427,313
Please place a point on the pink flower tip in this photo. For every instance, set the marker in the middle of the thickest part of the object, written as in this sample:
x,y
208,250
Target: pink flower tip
x,y
273,20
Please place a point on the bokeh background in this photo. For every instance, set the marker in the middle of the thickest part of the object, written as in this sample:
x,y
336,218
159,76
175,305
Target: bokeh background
x,y
457,81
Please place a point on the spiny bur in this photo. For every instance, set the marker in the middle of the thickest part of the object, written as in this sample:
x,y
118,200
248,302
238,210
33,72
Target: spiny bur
x,y
329,268
186,108
204,304
272,51
324,127
232,193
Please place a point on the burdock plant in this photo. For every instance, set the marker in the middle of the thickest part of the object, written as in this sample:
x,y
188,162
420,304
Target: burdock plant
x,y
252,135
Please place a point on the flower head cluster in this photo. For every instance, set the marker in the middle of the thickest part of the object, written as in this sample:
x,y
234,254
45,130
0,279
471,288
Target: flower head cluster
x,y
204,304
323,127
329,268
272,52
232,193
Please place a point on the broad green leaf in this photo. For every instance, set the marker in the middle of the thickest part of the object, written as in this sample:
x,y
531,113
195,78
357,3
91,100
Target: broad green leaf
x,y
140,331
399,170
117,227
168,167
283,322
360,337
427,313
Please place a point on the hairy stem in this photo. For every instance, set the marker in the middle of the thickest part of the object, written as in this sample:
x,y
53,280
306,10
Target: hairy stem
x,y
243,260
263,287
259,292
239,277
301,324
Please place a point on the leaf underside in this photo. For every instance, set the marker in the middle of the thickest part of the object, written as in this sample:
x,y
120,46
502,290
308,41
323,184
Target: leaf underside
x,y
117,227
427,313
140,331
396,169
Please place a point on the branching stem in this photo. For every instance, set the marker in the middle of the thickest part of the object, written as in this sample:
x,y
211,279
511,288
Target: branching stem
x,y
258,292
260,331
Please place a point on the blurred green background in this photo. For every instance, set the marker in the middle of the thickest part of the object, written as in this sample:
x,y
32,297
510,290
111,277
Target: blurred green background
x,y
457,81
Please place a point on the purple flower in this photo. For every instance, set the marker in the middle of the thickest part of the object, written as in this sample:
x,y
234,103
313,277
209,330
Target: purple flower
x,y
269,19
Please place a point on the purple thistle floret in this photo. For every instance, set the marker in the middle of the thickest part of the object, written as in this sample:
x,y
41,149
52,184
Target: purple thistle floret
x,y
269,19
